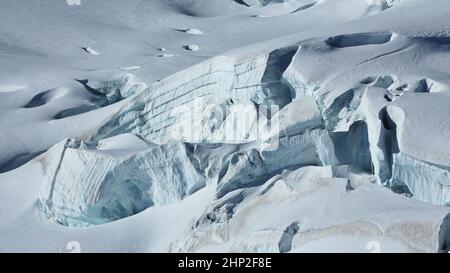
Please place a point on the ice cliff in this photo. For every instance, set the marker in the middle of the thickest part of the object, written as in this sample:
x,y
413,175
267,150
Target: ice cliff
x,y
314,103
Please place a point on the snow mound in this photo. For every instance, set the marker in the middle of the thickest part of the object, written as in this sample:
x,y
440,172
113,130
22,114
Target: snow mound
x,y
193,31
192,47
90,51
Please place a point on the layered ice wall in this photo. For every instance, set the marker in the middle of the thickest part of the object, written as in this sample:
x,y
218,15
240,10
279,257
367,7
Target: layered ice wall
x,y
179,102
363,82
422,164
323,102
173,109
163,174
90,185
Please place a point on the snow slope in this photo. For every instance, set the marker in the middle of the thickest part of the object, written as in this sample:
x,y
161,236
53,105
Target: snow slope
x,y
309,136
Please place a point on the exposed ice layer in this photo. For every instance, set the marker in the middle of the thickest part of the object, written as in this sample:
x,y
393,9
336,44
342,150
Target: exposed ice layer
x,y
301,140
173,109
87,186
64,196
253,167
150,114
426,181
243,169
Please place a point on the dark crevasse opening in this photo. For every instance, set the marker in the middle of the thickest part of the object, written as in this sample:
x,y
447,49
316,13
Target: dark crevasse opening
x,y
444,235
332,113
389,145
285,243
18,161
359,39
274,91
422,87
241,2
352,147
387,142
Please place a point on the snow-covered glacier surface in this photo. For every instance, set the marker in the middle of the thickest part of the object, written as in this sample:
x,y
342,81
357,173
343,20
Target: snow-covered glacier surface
x,y
326,132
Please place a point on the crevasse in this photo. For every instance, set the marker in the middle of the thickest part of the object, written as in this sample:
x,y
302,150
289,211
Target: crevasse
x,y
87,184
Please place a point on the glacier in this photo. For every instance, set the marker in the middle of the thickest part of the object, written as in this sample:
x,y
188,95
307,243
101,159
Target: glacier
x,y
240,220
294,126
334,126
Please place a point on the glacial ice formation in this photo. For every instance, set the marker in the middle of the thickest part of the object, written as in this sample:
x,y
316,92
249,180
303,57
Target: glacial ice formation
x,y
88,183
297,126
293,118
178,103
